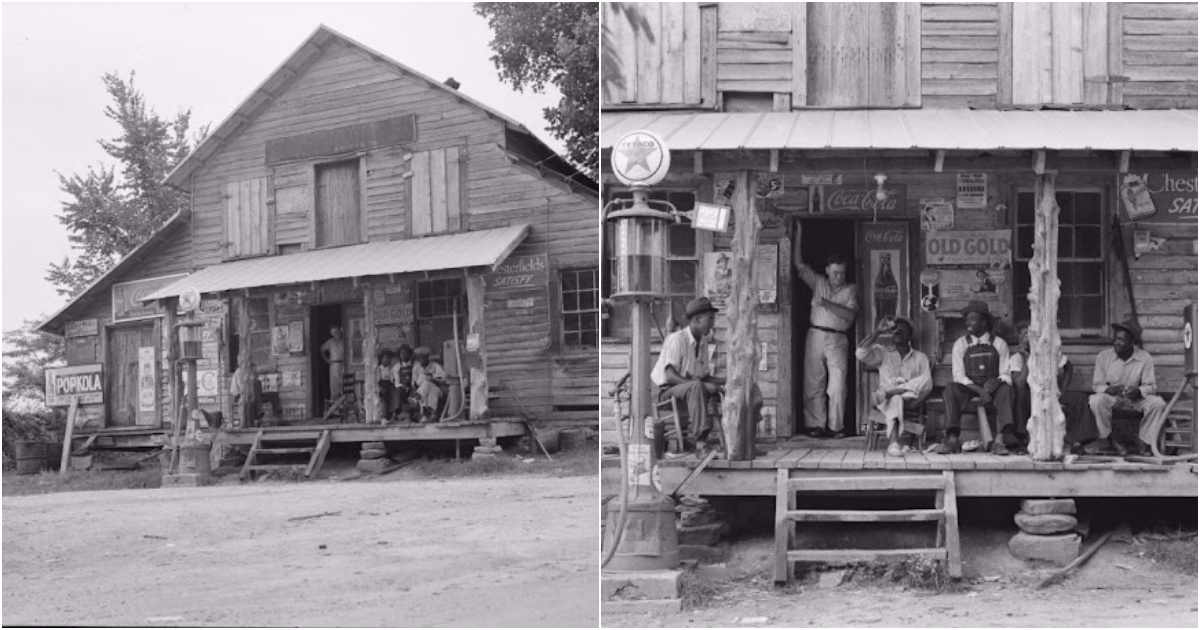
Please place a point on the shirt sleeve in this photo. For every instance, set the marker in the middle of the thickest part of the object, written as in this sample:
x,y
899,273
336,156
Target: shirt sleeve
x,y
957,371
1002,347
808,275
1099,384
852,304
1016,362
672,352
871,355
922,383
1149,384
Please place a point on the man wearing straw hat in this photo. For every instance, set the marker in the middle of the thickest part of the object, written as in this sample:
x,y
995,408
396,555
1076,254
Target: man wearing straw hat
x,y
979,362
1124,377
683,370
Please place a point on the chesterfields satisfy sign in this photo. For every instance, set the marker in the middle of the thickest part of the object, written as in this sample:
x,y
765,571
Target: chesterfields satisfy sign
x,y
85,382
520,272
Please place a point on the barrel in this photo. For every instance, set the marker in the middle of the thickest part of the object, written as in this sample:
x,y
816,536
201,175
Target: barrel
x,y
31,457
193,458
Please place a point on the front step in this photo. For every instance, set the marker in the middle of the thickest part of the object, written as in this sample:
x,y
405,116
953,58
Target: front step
x,y
944,513
320,447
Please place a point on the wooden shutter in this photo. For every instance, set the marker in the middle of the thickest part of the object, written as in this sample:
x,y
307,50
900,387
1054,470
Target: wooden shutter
x,y
862,54
1060,53
338,204
247,219
653,53
436,191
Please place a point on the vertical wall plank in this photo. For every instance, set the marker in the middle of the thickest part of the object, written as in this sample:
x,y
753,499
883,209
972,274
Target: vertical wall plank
x,y
437,185
692,61
422,221
363,220
708,55
312,206
820,53
910,47
1044,31
649,55
1004,91
880,78
671,34
454,190
850,73
1095,53
1116,54
799,43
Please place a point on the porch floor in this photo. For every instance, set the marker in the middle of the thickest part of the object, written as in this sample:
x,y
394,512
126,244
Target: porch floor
x,y
395,432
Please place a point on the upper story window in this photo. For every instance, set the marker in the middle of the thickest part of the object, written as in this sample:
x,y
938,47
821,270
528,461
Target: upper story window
x,y
247,217
1081,246
337,212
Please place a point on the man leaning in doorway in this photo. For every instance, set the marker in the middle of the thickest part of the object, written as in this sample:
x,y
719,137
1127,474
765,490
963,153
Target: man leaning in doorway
x,y
979,363
683,370
826,349
1123,377
333,351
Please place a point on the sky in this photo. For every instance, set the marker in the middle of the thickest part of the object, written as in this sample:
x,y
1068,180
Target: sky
x,y
206,56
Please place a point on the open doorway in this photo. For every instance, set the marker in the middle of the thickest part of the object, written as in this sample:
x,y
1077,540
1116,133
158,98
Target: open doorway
x,y
321,320
820,238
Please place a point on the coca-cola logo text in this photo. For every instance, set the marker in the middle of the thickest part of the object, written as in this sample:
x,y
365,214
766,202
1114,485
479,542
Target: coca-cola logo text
x,y
849,200
885,237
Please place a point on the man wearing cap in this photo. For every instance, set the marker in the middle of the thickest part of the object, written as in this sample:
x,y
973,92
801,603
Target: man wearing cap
x,y
979,363
1124,377
904,375
428,379
683,370
832,311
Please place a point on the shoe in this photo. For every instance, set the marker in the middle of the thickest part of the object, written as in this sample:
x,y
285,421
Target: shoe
x,y
1142,449
893,450
1120,449
837,435
816,433
998,448
950,446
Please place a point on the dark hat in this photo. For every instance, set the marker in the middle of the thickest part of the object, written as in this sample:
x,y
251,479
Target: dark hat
x,y
897,321
422,351
1131,327
698,306
977,306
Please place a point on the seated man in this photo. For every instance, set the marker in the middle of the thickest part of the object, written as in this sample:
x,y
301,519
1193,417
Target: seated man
x,y
429,383
683,371
1124,377
385,386
976,360
904,375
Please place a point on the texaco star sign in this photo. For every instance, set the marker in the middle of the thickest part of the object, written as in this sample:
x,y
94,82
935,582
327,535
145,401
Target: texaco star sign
x,y
640,158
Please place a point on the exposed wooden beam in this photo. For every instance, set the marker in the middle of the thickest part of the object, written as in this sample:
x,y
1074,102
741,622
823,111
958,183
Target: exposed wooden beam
x,y
1039,162
1124,166
774,160
939,161
698,162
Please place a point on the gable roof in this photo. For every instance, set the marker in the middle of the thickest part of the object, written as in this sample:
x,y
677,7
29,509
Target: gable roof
x,y
299,61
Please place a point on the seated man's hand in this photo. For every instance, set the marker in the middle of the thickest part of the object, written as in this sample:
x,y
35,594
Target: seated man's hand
x,y
895,391
992,385
710,388
1114,390
1133,393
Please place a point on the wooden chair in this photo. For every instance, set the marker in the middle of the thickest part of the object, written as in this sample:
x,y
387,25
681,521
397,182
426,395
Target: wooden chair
x,y
675,423
346,404
912,423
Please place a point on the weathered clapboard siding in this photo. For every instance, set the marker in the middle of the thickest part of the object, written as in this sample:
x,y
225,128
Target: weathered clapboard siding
x,y
960,55
754,51
658,54
1159,55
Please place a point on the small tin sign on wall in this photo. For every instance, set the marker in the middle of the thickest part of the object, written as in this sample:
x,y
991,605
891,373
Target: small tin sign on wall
x,y
82,328
972,190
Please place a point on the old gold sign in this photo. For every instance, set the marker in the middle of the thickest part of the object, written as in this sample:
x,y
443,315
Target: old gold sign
x,y
84,382
991,247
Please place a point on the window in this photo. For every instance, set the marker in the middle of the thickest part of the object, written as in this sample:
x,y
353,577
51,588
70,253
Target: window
x,y
260,332
338,213
683,263
580,313
438,301
1081,248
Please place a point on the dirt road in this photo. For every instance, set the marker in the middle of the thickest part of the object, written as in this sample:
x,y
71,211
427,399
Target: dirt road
x,y
500,551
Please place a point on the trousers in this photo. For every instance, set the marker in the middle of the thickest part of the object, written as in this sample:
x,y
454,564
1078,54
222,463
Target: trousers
x,y
957,395
694,400
430,394
826,356
1152,408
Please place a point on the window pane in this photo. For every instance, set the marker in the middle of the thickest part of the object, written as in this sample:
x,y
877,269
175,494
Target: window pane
x,y
424,290
1092,311
1089,278
589,339
1087,208
587,300
569,281
587,280
1021,292
682,276
1066,206
588,321
684,201
424,309
1066,275
1066,242
1025,208
571,340
1025,242
1088,242
570,301
682,241
571,322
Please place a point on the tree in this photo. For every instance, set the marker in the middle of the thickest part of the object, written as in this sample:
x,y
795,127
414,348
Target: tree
x,y
108,216
27,353
538,43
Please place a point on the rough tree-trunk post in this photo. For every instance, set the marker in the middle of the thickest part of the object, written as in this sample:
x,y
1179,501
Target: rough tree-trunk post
x,y
370,360
1047,426
742,351
171,347
243,361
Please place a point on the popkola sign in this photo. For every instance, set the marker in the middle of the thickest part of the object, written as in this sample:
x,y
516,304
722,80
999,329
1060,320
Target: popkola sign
x,y
84,382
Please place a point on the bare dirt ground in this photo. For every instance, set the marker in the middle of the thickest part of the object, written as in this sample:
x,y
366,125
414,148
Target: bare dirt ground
x,y
509,551
1116,588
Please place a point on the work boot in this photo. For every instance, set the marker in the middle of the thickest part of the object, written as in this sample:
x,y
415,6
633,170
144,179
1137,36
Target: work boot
x,y
998,447
1120,448
816,432
951,445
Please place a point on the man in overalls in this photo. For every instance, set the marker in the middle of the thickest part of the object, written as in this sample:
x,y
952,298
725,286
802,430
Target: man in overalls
x,y
979,364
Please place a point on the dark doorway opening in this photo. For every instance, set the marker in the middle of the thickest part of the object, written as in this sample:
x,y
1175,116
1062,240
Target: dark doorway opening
x,y
820,238
321,320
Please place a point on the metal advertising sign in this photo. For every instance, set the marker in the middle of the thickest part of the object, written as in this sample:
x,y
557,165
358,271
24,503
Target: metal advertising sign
x,y
82,328
84,382
1159,197
860,200
972,190
885,281
986,248
640,158
520,272
127,298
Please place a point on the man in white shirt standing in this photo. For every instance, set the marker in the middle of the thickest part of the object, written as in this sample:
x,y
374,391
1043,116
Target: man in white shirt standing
x,y
1124,377
904,375
683,370
826,349
979,363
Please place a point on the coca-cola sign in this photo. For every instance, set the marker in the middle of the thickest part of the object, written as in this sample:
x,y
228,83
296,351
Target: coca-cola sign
x,y
863,200
884,236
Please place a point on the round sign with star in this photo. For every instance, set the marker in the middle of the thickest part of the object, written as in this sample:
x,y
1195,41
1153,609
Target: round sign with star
x,y
640,158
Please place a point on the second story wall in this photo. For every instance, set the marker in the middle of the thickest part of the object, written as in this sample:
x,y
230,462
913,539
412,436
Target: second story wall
x,y
764,56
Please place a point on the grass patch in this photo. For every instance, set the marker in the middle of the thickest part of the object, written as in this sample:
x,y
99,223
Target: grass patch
x,y
1175,554
696,591
15,485
577,463
920,574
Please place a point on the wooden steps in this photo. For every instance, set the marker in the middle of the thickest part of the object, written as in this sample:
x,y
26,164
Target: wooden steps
x,y
316,450
944,514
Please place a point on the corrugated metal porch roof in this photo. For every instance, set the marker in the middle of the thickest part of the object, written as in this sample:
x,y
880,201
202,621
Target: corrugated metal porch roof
x,y
485,248
1111,130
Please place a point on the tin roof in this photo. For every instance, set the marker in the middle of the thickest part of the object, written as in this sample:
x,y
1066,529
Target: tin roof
x,y
485,248
1109,130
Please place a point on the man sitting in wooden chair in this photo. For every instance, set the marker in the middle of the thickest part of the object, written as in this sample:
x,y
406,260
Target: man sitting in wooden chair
x,y
683,370
905,378
429,384
979,362
1123,378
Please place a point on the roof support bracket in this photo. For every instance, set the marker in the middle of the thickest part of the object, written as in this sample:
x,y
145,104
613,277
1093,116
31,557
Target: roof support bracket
x,y
774,160
392,278
1039,162
698,162
1123,167
355,281
939,161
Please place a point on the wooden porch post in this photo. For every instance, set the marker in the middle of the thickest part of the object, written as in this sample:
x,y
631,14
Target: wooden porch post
x,y
476,285
742,352
370,360
171,352
1047,426
243,361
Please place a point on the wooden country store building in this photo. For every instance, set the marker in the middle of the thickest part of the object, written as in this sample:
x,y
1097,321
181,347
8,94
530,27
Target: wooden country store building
x,y
349,189
954,114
